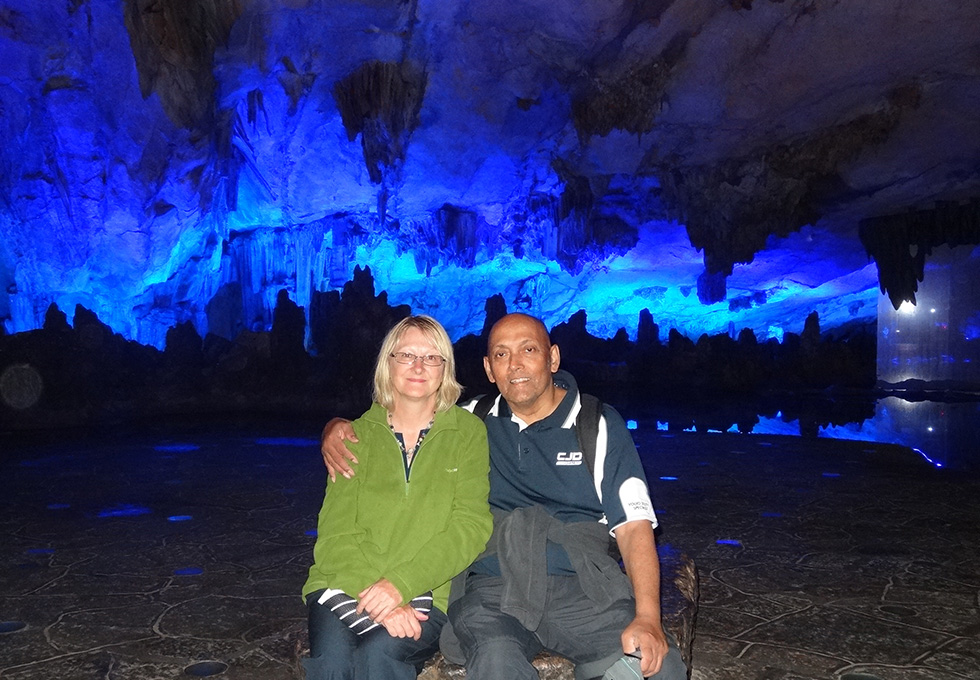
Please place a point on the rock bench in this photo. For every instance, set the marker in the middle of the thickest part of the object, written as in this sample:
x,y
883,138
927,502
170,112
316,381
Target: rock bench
x,y
678,603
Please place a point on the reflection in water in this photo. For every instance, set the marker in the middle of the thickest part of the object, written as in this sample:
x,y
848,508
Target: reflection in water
x,y
930,347
944,433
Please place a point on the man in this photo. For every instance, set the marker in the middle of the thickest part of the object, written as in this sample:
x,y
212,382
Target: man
x,y
545,581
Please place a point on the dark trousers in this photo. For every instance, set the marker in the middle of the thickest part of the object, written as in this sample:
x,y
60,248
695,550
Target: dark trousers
x,y
498,647
338,654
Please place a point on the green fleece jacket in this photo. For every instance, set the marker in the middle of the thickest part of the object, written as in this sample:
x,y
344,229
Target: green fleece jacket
x,y
418,532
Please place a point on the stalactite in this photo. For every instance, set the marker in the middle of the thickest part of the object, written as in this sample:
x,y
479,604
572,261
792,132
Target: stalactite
x,y
381,101
630,102
173,42
711,287
900,244
732,208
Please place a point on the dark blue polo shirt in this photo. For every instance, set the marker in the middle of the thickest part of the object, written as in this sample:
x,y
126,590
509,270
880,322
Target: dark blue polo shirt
x,y
542,464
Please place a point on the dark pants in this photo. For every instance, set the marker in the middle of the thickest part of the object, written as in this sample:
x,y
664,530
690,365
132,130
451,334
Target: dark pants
x,y
498,647
338,654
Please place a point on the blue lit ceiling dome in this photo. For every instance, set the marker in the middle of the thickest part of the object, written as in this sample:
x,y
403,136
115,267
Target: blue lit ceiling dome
x,y
711,163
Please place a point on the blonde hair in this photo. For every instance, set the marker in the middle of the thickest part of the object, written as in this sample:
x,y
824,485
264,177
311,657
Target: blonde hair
x,y
449,389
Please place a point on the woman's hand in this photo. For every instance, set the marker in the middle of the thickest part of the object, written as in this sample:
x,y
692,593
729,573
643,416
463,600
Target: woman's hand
x,y
404,622
379,599
335,453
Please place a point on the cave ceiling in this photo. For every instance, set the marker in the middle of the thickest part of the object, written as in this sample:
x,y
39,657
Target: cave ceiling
x,y
145,141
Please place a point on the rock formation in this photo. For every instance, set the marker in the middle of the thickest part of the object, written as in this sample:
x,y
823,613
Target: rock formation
x,y
165,162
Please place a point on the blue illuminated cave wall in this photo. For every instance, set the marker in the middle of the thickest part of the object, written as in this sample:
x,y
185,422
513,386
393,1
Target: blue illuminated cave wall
x,y
153,194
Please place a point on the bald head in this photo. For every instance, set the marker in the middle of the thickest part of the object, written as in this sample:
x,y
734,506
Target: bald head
x,y
529,325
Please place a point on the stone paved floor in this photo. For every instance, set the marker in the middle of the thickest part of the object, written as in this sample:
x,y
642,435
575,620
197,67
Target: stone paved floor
x,y
174,552
823,558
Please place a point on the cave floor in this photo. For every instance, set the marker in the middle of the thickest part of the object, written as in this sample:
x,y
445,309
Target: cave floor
x,y
172,551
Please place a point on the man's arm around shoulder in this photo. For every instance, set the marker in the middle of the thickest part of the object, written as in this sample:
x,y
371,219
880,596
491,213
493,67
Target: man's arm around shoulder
x,y
334,449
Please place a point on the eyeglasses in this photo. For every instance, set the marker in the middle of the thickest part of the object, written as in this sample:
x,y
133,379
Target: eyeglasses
x,y
428,360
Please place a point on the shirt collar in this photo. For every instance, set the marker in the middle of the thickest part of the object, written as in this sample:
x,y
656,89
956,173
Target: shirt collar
x,y
563,416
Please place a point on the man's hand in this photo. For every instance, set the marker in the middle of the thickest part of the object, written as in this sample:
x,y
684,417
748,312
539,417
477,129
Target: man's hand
x,y
646,636
335,453
379,599
404,622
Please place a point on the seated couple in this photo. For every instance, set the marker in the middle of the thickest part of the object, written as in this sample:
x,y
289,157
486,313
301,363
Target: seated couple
x,y
416,513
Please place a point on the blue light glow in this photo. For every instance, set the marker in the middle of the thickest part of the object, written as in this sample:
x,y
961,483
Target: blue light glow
x,y
927,458
728,541
188,571
179,518
124,510
630,424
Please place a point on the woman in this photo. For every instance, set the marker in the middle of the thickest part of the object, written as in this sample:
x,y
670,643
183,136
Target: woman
x,y
414,516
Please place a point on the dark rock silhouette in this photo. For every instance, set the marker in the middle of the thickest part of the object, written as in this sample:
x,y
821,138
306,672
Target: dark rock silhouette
x,y
84,373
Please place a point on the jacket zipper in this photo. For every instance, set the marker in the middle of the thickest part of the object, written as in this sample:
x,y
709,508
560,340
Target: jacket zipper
x,y
408,469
